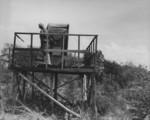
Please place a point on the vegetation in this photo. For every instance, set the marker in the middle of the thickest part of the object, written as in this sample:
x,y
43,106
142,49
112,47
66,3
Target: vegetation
x,y
122,90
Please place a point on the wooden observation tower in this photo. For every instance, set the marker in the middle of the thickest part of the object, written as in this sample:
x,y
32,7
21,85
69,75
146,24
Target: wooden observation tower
x,y
28,61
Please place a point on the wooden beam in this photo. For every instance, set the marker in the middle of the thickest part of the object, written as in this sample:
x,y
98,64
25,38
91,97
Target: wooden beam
x,y
62,57
50,97
27,49
14,87
18,85
64,99
49,50
55,34
23,88
84,88
20,38
31,51
55,87
68,82
52,87
13,51
61,50
32,78
40,82
78,50
56,70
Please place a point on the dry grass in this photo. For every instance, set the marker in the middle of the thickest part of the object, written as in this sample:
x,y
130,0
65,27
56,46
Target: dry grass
x,y
24,114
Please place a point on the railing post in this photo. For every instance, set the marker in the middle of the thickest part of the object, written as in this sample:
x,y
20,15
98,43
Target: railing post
x,y
95,50
13,52
47,47
78,49
31,52
62,58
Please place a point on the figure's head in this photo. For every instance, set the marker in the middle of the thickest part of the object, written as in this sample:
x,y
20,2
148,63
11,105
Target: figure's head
x,y
41,26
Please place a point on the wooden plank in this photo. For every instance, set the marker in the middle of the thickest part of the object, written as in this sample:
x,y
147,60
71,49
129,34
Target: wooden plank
x,y
55,34
50,97
49,50
60,50
57,70
27,49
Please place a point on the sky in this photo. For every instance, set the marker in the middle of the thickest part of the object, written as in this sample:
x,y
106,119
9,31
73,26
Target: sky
x,y
122,26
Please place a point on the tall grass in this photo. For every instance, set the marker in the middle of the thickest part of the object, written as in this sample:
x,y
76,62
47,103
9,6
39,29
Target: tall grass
x,y
23,113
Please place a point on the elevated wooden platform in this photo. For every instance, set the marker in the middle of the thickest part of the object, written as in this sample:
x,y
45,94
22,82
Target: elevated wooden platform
x,y
26,62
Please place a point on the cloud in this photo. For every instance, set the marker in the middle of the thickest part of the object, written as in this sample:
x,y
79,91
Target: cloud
x,y
137,55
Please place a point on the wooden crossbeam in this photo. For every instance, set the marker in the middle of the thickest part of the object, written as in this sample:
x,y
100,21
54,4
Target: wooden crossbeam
x,y
68,82
64,99
40,82
50,97
20,38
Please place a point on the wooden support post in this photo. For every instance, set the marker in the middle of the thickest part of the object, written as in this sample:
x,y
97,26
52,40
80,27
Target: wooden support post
x,y
14,87
93,98
84,88
18,84
49,81
23,89
55,87
52,87
55,92
84,91
32,78
90,90
82,106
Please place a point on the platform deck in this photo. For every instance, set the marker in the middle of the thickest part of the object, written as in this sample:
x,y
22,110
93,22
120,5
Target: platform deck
x,y
74,70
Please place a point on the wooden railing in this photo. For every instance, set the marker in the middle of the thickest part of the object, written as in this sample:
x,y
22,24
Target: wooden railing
x,y
30,51
92,48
